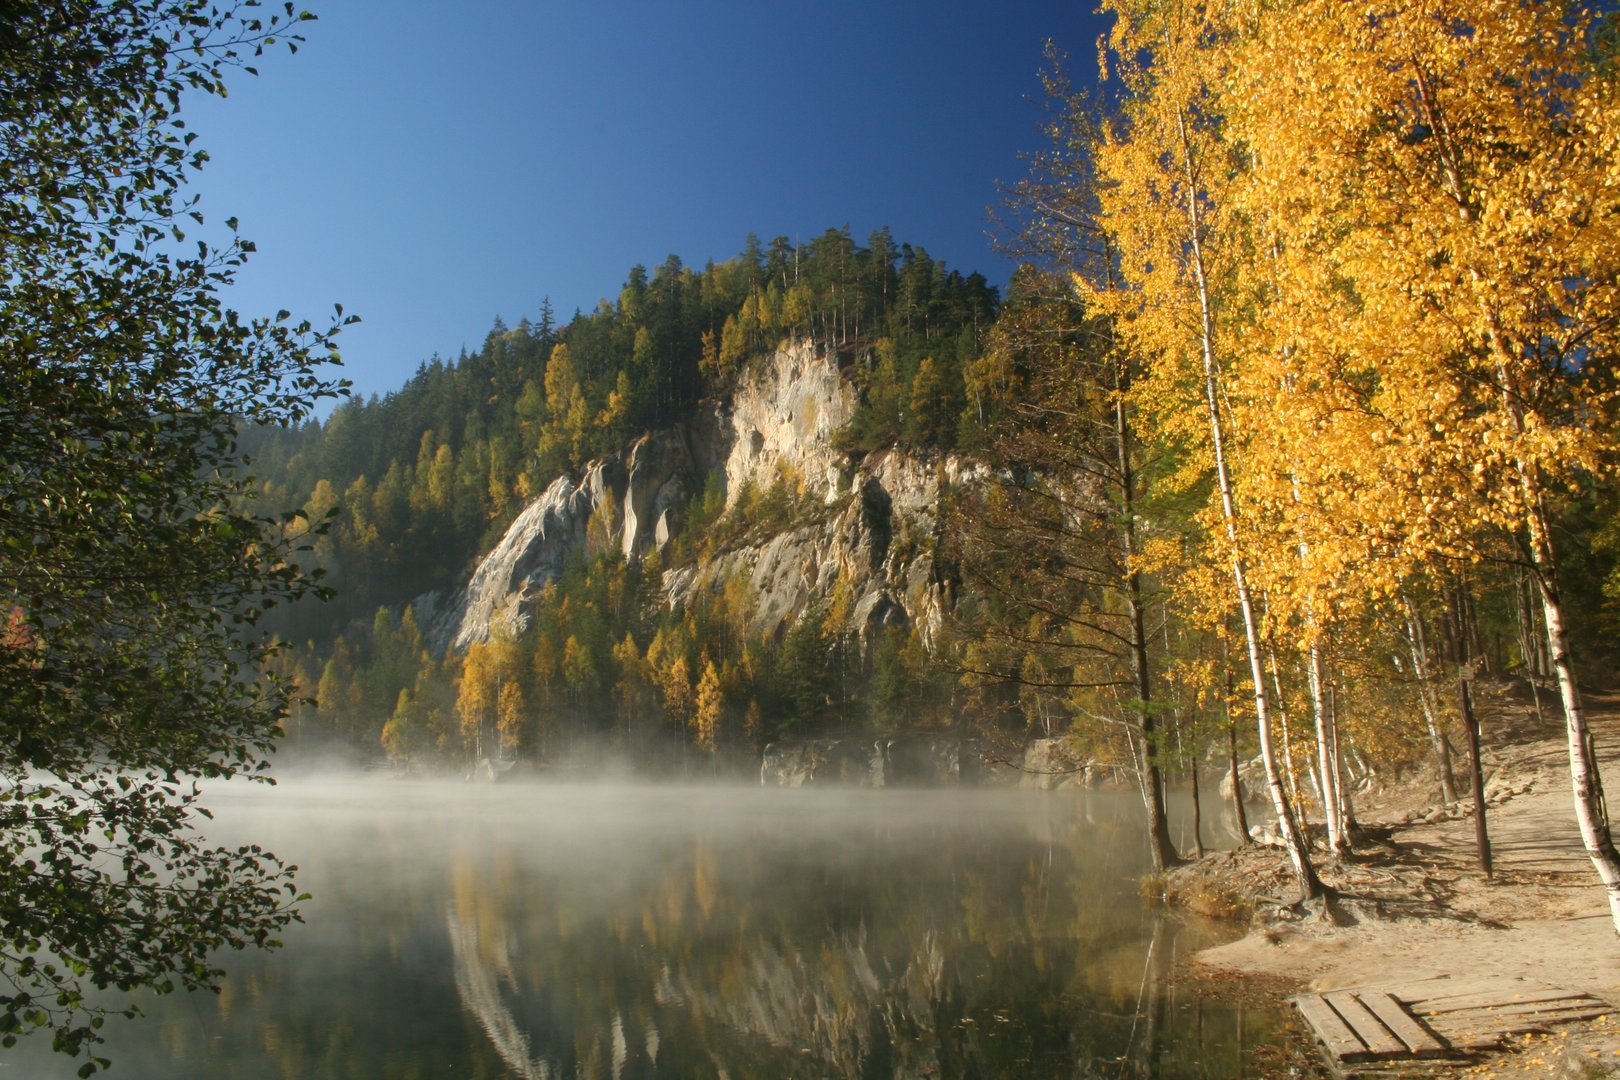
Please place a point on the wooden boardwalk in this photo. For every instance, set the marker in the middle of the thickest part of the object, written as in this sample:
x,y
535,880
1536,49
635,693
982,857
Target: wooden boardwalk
x,y
1367,1030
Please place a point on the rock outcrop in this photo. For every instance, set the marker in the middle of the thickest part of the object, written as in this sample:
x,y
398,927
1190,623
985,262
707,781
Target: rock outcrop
x,y
533,551
912,760
662,472
783,419
879,535
1051,763
645,489
873,524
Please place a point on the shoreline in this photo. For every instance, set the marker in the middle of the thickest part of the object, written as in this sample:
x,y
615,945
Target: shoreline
x,y
1414,905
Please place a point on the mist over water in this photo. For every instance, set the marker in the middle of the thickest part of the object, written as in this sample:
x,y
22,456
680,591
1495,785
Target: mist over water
x,y
618,930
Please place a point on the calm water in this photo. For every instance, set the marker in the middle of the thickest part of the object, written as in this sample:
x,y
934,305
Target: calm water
x,y
604,931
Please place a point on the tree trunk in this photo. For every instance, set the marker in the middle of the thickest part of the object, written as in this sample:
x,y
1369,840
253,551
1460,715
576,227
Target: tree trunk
x,y
1327,734
1591,811
1465,701
1327,755
1181,752
1238,810
1347,802
1162,846
1532,643
1287,736
1420,671
1476,774
1310,886
1474,640
1197,812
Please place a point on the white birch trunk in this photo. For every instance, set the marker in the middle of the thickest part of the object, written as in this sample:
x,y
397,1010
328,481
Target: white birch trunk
x,y
1327,735
1327,754
1591,812
1310,886
1586,784
1287,734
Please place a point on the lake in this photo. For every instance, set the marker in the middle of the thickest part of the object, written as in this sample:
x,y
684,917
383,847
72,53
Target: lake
x,y
615,931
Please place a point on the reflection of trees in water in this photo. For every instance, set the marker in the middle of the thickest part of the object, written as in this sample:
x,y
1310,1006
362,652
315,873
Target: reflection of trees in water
x,y
519,935
961,955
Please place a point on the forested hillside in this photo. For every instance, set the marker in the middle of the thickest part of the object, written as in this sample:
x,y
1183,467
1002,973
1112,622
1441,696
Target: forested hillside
x,y
413,487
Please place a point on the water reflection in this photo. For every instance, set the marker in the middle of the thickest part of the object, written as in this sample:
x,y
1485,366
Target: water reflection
x,y
629,932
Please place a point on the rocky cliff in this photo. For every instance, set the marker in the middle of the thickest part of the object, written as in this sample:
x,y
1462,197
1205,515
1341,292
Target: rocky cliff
x,y
872,522
782,422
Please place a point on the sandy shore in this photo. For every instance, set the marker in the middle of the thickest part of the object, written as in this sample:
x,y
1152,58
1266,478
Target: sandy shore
x,y
1416,905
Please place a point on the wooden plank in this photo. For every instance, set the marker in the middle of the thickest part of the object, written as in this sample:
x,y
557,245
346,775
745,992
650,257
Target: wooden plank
x,y
1525,1025
1481,1030
1515,1013
1542,1022
1401,1023
1368,1028
1504,1015
1437,1017
1465,1037
1340,1040
1579,1003
1488,1000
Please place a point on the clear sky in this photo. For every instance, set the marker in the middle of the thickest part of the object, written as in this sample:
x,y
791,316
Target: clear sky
x,y
431,165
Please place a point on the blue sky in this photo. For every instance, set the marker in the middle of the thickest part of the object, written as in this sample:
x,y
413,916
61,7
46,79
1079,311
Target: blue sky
x,y
431,166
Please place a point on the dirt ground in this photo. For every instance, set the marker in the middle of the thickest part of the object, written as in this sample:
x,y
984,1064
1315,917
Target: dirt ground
x,y
1416,906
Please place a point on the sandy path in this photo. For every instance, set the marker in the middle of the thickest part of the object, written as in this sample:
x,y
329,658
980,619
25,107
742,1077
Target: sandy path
x,y
1543,918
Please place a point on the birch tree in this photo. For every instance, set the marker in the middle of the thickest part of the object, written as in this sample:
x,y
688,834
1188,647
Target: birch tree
x,y
1067,377
1446,186
1166,170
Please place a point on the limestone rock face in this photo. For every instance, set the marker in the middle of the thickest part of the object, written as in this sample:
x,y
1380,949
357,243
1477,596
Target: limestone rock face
x,y
880,537
660,473
874,523
784,417
1052,763
534,551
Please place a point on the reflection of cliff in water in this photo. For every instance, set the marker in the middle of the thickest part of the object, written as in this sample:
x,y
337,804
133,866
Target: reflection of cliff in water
x,y
596,931
479,984
964,947
833,1007
938,1016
